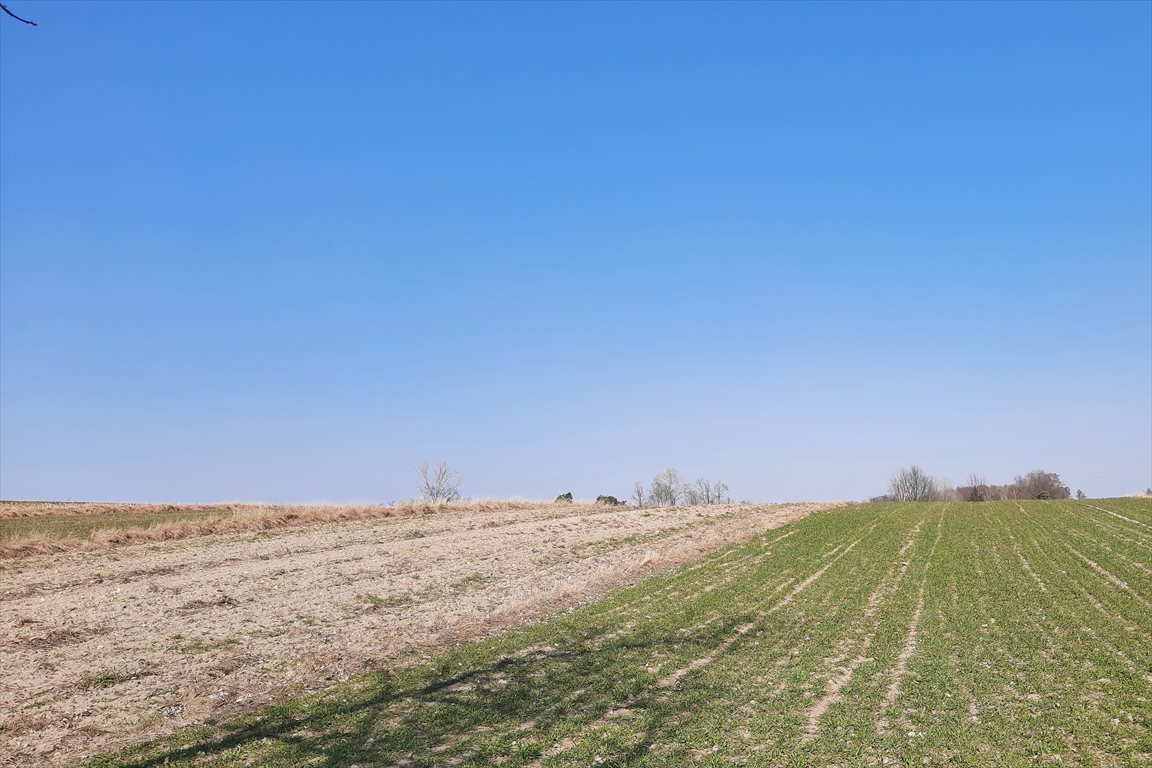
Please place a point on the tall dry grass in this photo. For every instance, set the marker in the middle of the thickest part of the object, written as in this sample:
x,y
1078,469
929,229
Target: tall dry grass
x,y
24,509
245,518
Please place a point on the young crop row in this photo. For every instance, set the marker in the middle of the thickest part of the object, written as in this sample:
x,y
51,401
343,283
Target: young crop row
x,y
922,634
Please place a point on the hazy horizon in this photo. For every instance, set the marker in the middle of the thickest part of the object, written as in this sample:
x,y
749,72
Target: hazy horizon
x,y
286,252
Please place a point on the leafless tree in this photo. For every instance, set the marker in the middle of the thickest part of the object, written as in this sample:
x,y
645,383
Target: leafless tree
x,y
709,492
977,489
667,489
912,484
1080,495
945,491
1039,484
439,485
638,493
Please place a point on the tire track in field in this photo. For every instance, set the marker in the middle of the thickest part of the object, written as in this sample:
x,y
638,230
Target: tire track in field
x,y
568,742
946,620
810,580
1117,514
1113,579
643,609
1065,618
1040,616
684,600
1049,639
698,663
1143,568
729,561
1099,606
700,587
888,586
1101,642
959,597
1073,649
840,551
678,585
1074,583
670,680
900,670
1048,622
1024,562
1114,531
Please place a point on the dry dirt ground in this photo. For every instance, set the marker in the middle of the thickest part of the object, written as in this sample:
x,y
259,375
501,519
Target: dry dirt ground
x,y
106,648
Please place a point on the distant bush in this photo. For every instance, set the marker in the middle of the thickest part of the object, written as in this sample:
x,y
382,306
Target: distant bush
x,y
914,484
610,501
564,498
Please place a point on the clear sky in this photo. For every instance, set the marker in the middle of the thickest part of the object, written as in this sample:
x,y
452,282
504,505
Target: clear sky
x,y
285,252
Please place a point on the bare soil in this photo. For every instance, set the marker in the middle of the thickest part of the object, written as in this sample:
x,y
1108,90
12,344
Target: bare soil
x,y
100,649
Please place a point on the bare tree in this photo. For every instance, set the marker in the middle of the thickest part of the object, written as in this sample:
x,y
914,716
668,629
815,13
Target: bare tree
x,y
977,489
439,485
638,493
702,490
945,491
1039,484
708,492
1080,495
670,489
667,489
912,484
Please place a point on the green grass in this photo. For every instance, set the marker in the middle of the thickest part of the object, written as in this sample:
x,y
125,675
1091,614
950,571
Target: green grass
x,y
80,526
103,679
990,634
107,678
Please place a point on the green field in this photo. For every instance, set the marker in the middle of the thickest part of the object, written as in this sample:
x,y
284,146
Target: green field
x,y
993,634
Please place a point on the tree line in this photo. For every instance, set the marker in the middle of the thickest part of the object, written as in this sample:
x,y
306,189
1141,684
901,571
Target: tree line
x,y
441,484
914,484
670,489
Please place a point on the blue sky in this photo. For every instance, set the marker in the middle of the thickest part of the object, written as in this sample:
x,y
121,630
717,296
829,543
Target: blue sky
x,y
285,252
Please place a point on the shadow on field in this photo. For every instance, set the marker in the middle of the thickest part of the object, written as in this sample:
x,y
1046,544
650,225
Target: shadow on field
x,y
462,710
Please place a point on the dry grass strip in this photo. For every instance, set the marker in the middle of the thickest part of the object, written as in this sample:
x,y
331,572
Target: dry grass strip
x,y
245,519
